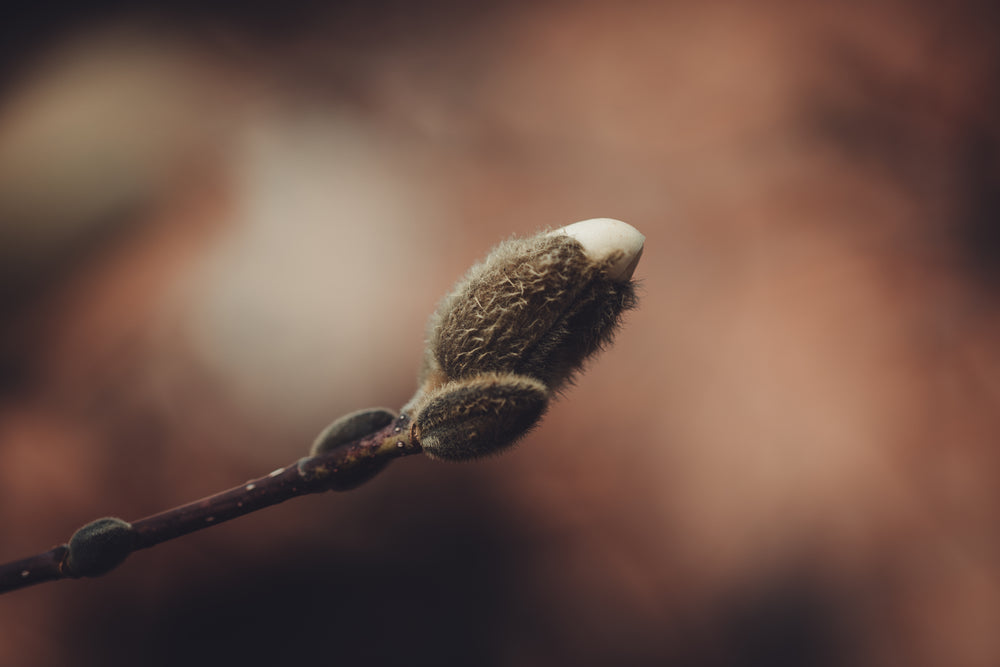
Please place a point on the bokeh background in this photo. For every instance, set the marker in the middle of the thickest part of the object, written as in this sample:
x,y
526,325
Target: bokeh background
x,y
223,225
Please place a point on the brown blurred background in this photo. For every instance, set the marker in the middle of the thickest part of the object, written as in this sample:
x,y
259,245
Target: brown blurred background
x,y
223,225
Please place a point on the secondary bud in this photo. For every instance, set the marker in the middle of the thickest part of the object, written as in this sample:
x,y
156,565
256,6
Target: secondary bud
x,y
99,547
351,427
479,416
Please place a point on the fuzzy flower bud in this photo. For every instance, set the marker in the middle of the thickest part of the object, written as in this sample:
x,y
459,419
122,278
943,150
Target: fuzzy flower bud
x,y
516,329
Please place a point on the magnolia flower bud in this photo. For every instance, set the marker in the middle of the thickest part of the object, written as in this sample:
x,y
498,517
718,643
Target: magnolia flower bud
x,y
515,330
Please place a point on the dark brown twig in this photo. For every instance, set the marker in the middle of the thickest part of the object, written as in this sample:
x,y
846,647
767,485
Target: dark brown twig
x,y
552,301
101,545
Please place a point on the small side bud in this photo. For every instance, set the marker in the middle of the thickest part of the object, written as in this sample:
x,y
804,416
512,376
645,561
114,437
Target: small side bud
x,y
476,417
99,547
351,427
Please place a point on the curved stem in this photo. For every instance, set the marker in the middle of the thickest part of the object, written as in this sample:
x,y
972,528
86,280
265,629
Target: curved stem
x,y
340,469
33,569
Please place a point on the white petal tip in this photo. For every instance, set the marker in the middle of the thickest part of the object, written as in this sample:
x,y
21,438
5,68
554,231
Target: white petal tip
x,y
602,237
